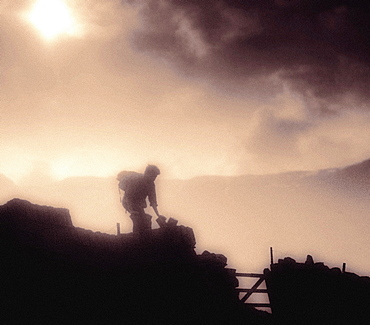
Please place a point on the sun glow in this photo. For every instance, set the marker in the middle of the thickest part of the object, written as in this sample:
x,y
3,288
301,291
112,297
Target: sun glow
x,y
53,18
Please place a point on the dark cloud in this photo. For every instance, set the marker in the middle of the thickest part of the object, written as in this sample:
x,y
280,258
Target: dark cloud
x,y
321,48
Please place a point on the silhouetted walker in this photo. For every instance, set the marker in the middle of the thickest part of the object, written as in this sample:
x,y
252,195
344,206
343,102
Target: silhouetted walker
x,y
137,187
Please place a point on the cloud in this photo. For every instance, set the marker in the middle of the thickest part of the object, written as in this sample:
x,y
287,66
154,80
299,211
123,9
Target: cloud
x,y
320,48
199,87
281,142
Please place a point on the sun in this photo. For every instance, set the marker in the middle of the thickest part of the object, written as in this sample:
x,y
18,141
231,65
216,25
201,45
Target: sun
x,y
53,18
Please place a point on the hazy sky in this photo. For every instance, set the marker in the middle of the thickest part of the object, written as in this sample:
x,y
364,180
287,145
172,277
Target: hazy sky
x,y
222,87
198,87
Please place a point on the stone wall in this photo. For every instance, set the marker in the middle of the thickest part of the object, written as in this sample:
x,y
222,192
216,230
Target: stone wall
x,y
54,273
312,293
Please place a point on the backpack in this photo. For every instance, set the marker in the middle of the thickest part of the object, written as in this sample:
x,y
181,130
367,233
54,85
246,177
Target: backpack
x,y
124,178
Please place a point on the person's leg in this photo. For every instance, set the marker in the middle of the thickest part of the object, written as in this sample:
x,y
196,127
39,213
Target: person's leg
x,y
141,221
147,222
144,223
135,222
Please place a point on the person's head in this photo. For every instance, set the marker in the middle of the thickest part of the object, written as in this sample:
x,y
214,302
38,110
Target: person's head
x,y
151,172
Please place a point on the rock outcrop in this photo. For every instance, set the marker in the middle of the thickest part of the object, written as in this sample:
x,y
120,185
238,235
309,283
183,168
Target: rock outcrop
x,y
52,272
312,293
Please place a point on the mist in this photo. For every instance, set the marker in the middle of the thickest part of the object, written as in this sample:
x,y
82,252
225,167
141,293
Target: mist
x,y
322,213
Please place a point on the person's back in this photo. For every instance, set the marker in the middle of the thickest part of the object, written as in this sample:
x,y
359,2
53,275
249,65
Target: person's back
x,y
137,188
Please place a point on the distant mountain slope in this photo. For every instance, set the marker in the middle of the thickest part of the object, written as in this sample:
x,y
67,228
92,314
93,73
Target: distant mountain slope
x,y
352,180
325,212
358,172
322,212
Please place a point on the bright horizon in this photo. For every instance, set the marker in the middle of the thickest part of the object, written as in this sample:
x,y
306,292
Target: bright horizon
x,y
44,171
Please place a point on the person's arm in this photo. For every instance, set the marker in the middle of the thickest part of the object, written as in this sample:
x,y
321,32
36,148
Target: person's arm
x,y
153,201
153,198
156,210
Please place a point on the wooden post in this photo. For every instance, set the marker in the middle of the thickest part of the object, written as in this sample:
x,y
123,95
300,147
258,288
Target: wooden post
x,y
271,257
344,268
118,229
